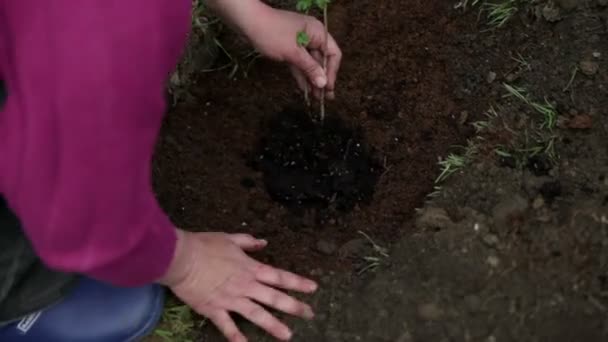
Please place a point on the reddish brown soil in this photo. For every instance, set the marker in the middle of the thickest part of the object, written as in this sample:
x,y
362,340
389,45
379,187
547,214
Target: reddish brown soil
x,y
394,83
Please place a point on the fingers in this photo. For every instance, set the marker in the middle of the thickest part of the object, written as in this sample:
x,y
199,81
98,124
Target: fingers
x,y
283,279
318,56
310,67
226,325
262,318
301,80
280,301
323,43
247,242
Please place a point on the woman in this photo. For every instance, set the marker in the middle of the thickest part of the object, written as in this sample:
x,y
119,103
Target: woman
x,y
84,247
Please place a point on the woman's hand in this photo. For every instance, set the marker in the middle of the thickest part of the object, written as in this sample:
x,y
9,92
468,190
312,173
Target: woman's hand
x,y
213,275
273,33
275,37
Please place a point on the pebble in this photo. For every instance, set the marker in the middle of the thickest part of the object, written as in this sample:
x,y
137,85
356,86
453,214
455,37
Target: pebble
x,y
326,247
598,54
490,240
538,203
589,68
512,77
491,77
430,312
551,13
493,261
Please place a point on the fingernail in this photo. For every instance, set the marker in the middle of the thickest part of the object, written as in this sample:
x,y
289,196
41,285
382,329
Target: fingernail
x,y
320,81
313,286
287,334
308,314
262,242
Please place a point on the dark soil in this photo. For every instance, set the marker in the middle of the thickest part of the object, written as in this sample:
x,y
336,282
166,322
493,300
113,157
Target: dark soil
x,y
312,165
509,249
396,95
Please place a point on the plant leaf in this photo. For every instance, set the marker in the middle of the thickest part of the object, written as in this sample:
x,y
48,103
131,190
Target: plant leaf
x,y
304,5
302,38
322,3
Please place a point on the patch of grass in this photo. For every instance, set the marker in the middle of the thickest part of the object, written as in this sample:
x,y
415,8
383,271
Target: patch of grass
x,y
484,125
371,262
546,109
500,13
177,324
455,162
522,62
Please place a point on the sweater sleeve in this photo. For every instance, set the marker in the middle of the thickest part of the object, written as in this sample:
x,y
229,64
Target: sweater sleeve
x,y
85,83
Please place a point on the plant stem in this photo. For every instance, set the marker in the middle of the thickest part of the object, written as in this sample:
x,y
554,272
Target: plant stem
x,y
306,97
324,61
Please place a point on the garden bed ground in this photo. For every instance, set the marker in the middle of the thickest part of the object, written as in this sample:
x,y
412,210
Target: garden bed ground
x,y
512,247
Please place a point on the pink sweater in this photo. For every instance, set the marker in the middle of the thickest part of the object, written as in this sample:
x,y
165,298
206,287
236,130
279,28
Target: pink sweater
x,y
85,82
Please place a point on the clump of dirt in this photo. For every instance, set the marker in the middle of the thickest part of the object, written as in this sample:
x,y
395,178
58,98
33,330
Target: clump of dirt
x,y
314,165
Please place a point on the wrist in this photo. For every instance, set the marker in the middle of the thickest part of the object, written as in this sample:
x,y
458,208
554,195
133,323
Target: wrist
x,y
179,266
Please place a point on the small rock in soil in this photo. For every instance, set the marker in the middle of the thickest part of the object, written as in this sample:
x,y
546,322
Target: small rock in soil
x,y
508,208
589,68
491,77
551,13
538,203
490,240
464,116
512,77
326,247
430,312
493,261
597,54
433,219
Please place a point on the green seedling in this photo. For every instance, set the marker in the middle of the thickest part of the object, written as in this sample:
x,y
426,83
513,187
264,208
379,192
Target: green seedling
x,y
303,39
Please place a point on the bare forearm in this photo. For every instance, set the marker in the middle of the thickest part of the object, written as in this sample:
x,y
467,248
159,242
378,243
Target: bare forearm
x,y
239,13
